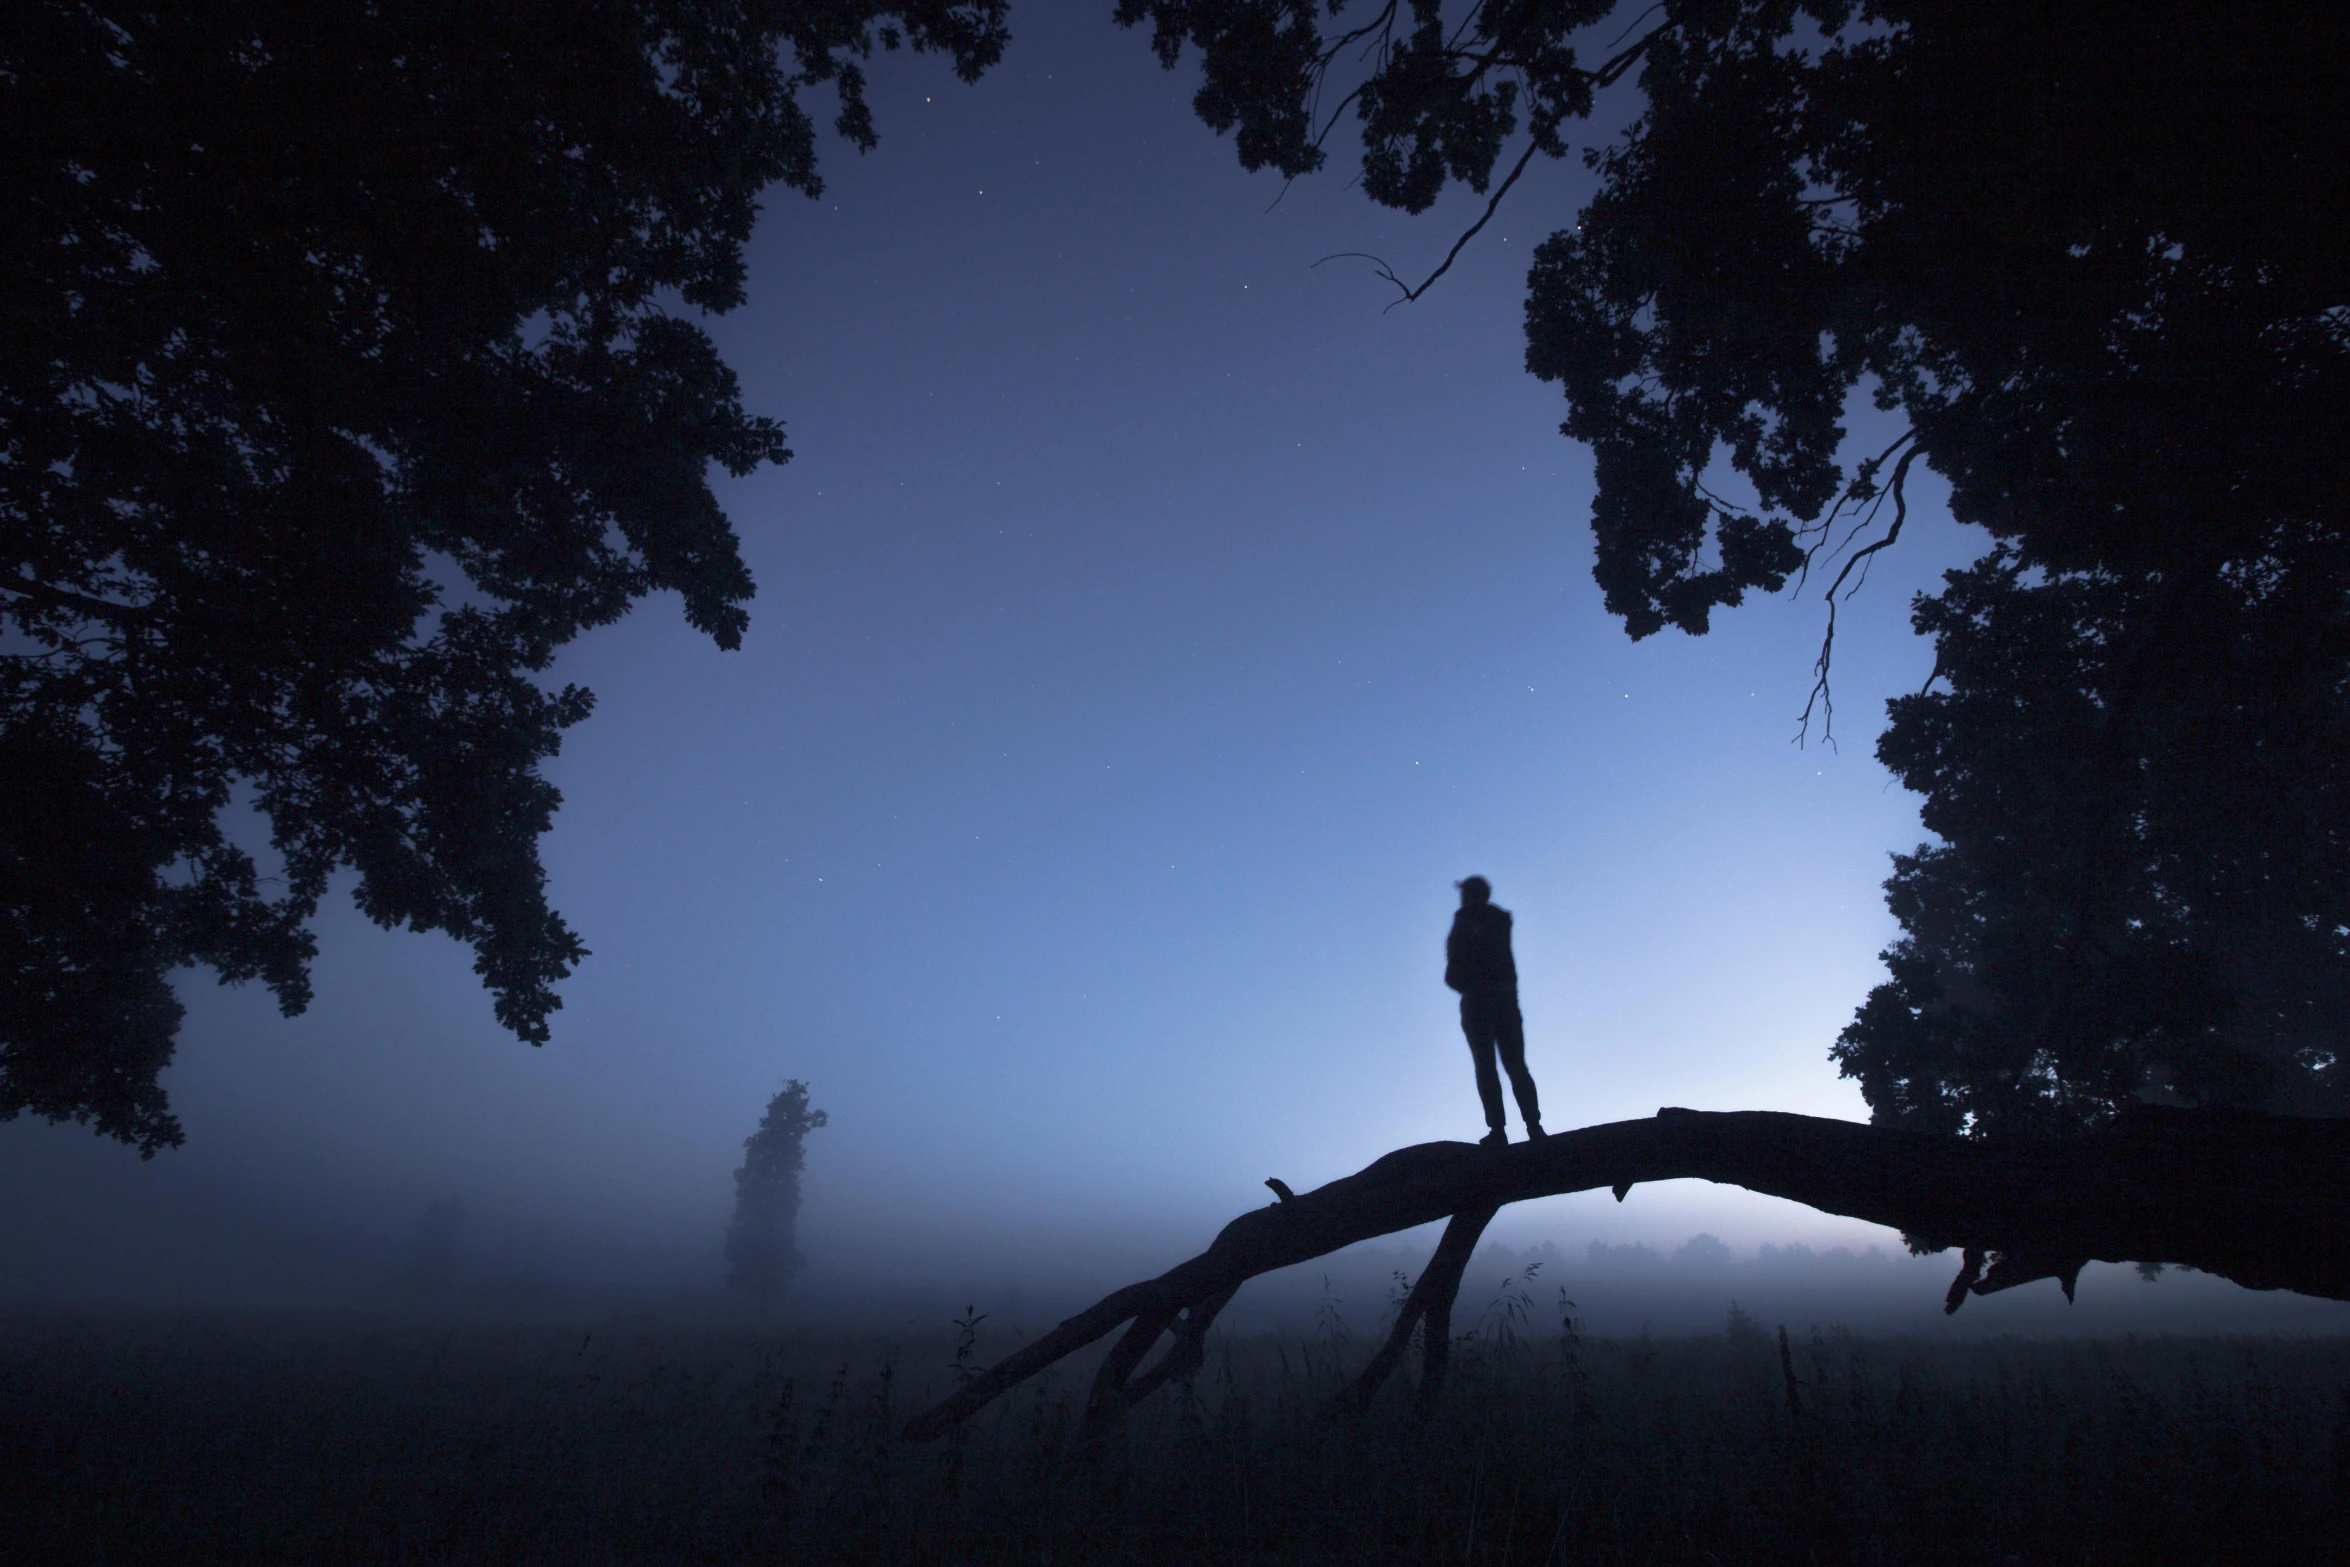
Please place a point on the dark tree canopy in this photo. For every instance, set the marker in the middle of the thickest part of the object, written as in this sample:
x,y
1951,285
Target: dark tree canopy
x,y
347,371
762,1242
2087,254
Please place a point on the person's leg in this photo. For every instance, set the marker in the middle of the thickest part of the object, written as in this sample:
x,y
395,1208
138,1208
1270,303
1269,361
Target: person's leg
x,y
1477,1022
1510,1035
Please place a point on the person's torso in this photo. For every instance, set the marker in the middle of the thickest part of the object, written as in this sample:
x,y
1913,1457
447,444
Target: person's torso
x,y
1481,950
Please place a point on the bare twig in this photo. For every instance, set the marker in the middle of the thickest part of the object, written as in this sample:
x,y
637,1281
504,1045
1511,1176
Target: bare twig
x,y
1635,22
1410,293
1932,675
1613,71
1383,24
1820,696
1544,138
80,603
1861,491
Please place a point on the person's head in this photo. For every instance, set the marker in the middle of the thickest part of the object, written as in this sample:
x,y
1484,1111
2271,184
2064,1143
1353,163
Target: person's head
x,y
1476,891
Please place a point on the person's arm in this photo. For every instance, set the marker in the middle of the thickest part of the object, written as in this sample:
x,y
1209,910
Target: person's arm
x,y
1453,978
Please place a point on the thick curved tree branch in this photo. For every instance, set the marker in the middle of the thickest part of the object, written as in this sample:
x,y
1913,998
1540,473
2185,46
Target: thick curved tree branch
x,y
2261,1200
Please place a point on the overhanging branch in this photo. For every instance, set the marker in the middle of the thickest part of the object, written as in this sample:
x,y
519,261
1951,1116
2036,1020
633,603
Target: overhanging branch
x,y
1821,697
1544,139
1410,292
77,603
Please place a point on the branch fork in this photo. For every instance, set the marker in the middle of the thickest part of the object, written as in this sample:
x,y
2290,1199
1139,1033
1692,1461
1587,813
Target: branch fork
x,y
2261,1200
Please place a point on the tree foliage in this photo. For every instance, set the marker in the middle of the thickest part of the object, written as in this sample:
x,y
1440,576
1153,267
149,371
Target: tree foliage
x,y
762,1250
2078,250
348,369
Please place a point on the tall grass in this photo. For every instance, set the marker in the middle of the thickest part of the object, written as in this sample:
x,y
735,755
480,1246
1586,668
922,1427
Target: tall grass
x,y
264,1441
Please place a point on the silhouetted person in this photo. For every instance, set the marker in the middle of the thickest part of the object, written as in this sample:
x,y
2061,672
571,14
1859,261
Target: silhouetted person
x,y
1477,963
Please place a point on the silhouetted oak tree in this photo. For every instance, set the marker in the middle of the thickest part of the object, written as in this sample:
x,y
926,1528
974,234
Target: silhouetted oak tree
x,y
348,369
2082,251
762,1253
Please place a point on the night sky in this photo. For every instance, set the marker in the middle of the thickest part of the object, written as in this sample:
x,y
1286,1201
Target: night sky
x,y
1151,627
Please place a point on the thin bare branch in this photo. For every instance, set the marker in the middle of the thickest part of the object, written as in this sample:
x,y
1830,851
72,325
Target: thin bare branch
x,y
1331,124
1612,72
1932,675
1410,293
65,598
1383,24
1859,492
1544,136
1821,697
1468,20
1635,22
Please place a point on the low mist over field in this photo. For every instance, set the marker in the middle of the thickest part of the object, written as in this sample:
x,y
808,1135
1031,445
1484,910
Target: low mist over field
x,y
1628,1268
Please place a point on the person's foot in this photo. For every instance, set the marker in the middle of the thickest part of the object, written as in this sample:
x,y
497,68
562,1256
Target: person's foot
x,y
1534,1132
1497,1138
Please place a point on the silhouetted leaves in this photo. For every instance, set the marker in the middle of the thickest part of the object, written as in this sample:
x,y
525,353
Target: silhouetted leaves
x,y
342,381
2076,249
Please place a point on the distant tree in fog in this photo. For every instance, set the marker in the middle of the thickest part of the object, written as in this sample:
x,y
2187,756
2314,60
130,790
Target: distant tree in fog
x,y
761,1256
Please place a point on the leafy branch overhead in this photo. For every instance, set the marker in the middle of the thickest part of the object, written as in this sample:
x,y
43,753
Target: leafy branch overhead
x,y
315,449
2069,249
344,379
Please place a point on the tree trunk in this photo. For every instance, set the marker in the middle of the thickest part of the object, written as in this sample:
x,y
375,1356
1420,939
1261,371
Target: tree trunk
x,y
2262,1200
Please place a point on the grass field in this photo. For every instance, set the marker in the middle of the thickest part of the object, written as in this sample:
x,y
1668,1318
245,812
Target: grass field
x,y
272,1440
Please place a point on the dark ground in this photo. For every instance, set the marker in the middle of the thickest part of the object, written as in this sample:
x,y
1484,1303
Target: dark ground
x,y
268,1439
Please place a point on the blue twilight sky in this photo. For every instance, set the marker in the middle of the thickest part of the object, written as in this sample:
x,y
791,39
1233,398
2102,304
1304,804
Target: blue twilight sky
x,y
1151,627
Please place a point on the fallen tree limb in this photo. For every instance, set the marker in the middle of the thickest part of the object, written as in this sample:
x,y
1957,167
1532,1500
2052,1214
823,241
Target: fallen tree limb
x,y
2262,1200
1428,1307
